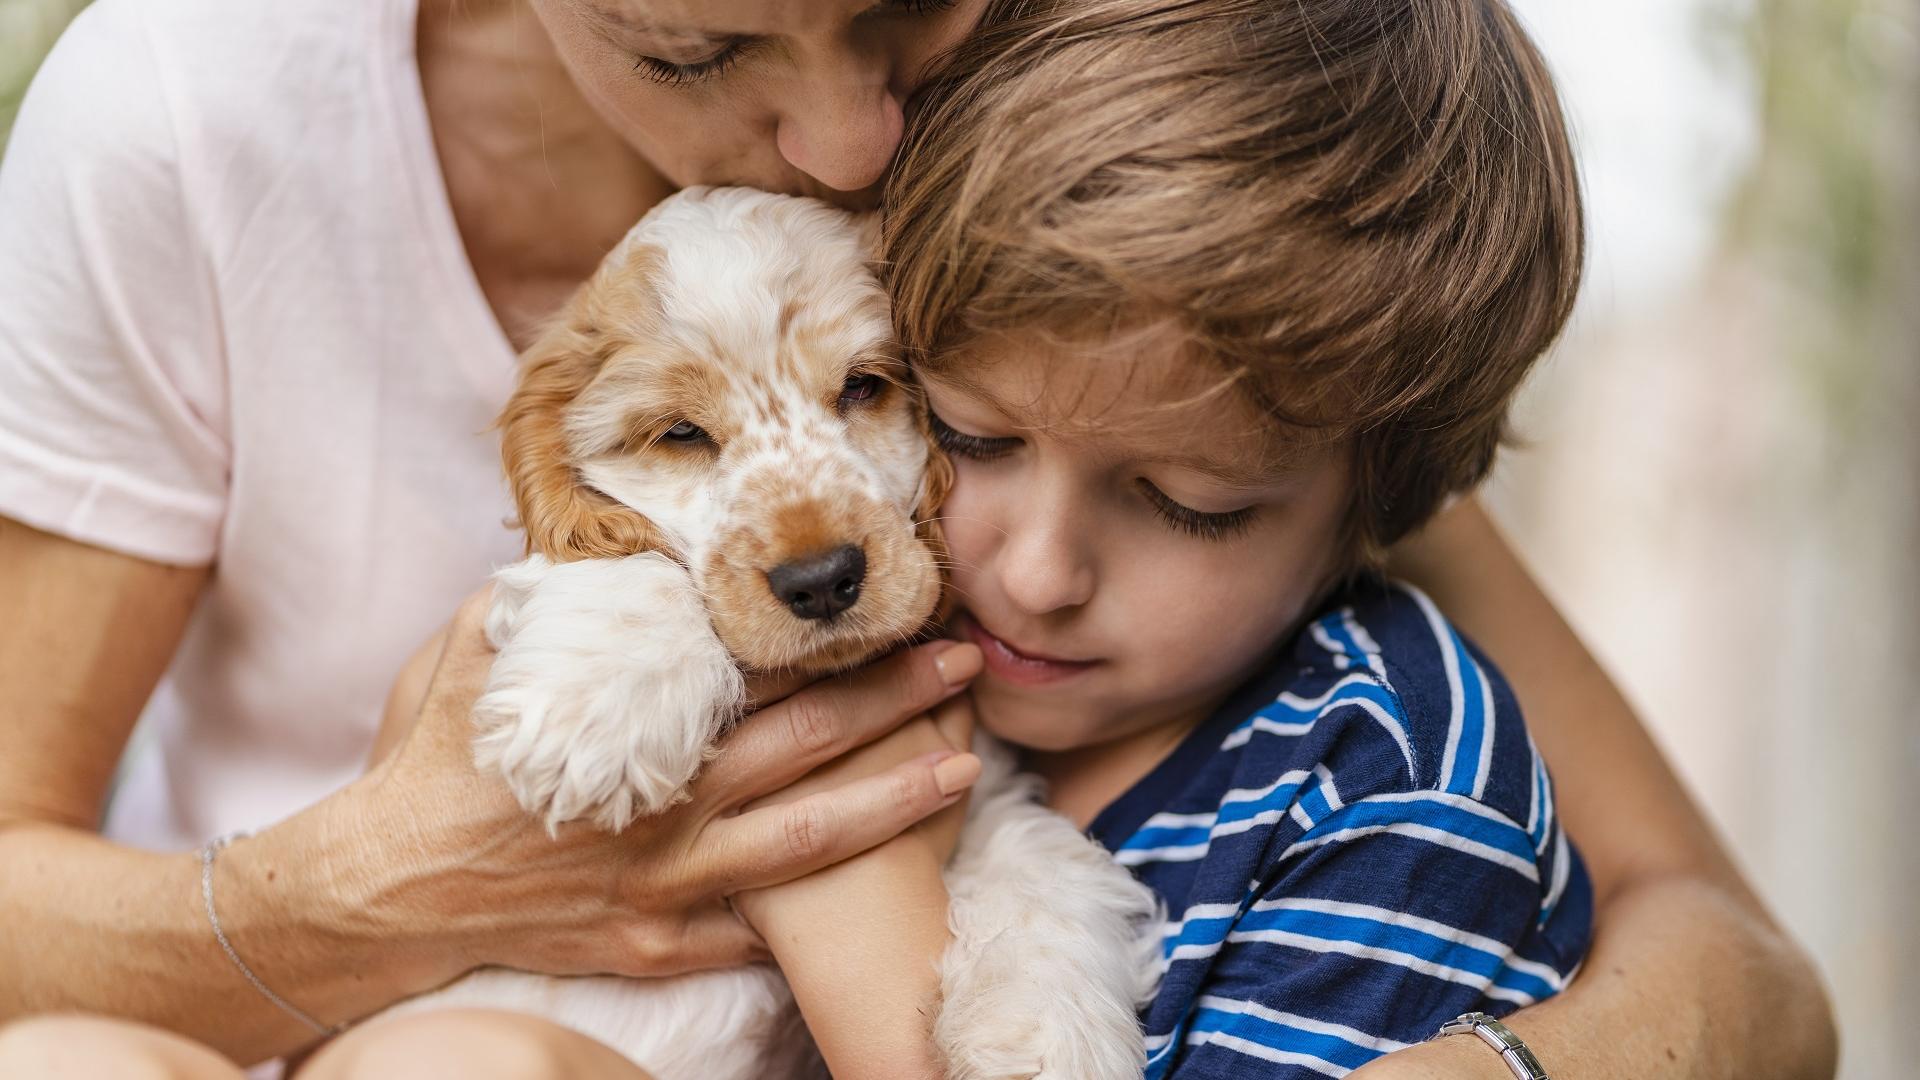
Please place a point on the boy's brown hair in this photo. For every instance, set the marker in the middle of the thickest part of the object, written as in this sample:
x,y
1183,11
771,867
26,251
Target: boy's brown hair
x,y
1367,210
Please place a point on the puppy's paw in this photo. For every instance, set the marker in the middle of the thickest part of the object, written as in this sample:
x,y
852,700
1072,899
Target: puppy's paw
x,y
608,691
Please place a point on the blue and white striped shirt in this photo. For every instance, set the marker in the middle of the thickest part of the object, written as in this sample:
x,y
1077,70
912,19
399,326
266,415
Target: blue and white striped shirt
x,y
1358,846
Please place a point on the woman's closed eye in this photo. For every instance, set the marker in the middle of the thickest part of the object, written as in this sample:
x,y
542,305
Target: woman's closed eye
x,y
682,72
676,73
973,447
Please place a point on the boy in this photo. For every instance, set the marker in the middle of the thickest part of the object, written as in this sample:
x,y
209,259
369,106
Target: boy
x,y
1213,301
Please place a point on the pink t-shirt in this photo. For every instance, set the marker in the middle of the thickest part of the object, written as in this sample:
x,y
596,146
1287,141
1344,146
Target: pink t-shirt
x,y
238,328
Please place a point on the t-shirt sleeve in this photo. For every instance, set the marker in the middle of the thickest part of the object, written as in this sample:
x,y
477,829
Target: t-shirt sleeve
x,y
1391,915
112,375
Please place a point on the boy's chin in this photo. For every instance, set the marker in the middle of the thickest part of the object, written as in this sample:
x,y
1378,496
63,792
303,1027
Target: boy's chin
x,y
1047,728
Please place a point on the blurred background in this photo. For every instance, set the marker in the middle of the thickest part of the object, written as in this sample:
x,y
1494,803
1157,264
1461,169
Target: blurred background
x,y
1722,482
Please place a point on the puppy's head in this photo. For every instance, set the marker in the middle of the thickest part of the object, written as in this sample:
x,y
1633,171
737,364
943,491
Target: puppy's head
x,y
726,390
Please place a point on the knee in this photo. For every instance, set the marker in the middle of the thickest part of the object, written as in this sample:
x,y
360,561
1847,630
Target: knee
x,y
88,1046
476,1043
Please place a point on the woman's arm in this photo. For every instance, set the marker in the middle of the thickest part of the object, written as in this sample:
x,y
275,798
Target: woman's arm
x,y
405,878
1688,976
92,925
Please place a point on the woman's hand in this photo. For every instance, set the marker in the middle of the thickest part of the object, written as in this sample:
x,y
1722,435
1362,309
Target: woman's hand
x,y
941,739
447,860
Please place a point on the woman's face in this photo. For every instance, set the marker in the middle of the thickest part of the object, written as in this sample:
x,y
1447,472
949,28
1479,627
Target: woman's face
x,y
800,96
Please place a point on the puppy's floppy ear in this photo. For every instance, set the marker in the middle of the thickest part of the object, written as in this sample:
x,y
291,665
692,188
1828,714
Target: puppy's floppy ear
x,y
564,519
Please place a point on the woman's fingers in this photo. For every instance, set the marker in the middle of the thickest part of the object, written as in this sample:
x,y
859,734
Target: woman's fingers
x,y
783,742
954,719
766,687
408,696
465,658
712,937
778,843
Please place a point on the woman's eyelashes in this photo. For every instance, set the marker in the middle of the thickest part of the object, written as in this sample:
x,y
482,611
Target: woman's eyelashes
x,y
678,73
672,73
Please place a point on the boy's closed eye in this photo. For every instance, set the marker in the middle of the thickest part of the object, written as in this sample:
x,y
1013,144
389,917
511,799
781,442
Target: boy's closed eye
x,y
1203,524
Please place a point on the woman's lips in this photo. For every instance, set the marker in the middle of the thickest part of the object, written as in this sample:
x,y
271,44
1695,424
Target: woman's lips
x,y
1012,665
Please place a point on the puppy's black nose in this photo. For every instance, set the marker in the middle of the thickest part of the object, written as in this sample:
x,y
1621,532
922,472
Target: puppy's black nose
x,y
820,586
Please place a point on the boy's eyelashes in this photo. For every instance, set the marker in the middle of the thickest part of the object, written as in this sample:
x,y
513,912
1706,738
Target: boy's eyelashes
x,y
1217,526
1183,519
961,444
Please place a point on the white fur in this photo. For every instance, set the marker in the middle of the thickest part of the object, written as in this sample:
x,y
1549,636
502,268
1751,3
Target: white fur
x,y
609,687
612,684
1048,962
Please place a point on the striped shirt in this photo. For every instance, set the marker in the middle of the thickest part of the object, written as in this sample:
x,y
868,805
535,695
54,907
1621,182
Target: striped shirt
x,y
1360,845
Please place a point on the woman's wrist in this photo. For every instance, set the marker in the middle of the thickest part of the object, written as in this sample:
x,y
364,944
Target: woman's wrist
x,y
318,907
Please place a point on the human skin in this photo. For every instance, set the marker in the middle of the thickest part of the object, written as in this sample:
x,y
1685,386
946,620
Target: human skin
x,y
542,181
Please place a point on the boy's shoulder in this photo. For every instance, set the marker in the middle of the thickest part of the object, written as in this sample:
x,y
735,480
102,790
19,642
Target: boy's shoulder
x,y
1378,715
1384,685
1361,842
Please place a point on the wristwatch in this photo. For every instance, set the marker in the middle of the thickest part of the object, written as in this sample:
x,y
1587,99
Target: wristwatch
x,y
1497,1035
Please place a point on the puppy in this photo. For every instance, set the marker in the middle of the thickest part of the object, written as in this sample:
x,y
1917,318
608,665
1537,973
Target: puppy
x,y
720,463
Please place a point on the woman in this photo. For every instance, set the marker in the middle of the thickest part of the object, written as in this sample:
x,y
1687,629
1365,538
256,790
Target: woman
x,y
259,267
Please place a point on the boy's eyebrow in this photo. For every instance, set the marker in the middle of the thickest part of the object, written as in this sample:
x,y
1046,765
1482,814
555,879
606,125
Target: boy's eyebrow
x,y
1277,461
1271,467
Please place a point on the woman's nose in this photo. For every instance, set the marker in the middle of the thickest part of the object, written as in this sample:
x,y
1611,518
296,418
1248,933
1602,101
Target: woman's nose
x,y
843,136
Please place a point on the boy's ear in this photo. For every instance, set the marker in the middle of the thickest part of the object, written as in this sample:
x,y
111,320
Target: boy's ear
x,y
935,483
934,487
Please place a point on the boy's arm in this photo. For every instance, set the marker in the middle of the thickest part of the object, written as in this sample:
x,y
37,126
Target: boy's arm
x,y
860,942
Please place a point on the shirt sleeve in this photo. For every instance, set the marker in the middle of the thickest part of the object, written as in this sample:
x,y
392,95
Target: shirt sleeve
x,y
1387,917
112,377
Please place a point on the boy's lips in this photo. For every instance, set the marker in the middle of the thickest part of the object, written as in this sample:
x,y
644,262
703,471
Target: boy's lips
x,y
1018,666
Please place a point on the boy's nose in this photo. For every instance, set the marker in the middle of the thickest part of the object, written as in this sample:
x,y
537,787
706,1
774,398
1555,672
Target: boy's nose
x,y
1040,571
820,586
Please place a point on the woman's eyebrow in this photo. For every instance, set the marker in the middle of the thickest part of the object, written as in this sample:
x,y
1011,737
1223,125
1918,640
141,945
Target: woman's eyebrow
x,y
618,18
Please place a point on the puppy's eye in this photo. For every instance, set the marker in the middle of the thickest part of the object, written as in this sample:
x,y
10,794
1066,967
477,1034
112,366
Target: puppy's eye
x,y
685,431
859,388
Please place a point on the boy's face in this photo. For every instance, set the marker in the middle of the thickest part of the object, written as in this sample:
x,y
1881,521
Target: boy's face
x,y
1129,538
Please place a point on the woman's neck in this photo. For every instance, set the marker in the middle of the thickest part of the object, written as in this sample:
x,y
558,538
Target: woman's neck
x,y
541,188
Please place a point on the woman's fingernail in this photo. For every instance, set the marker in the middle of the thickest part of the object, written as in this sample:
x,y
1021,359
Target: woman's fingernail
x,y
957,772
959,663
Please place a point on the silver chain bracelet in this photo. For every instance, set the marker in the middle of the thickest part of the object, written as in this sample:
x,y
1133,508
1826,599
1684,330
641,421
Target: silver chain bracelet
x,y
207,855
1501,1038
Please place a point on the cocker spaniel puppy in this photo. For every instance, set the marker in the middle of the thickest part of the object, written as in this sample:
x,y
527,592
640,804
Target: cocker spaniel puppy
x,y
721,463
